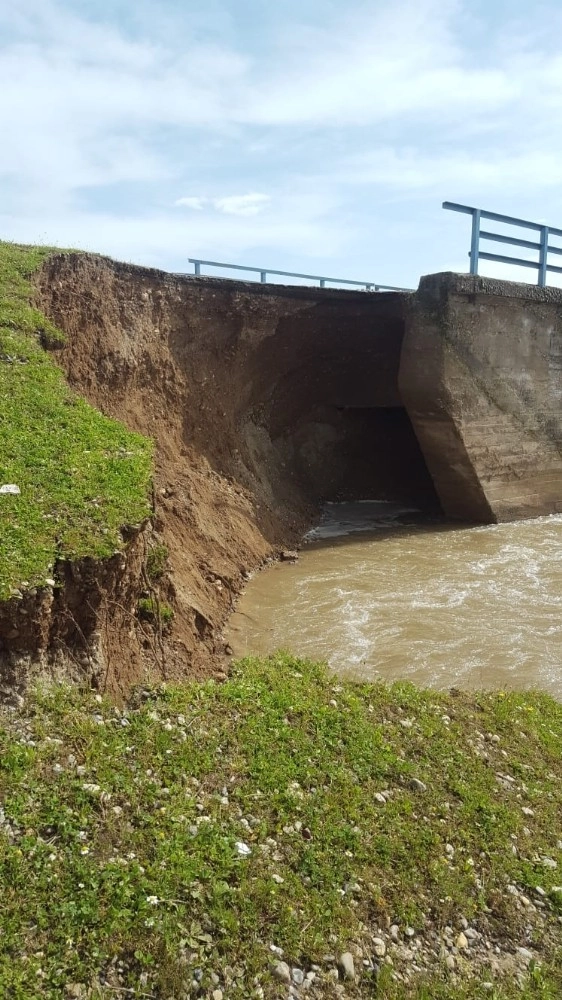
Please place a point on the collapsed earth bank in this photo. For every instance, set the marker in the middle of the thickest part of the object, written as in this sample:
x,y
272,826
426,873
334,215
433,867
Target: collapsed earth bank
x,y
262,401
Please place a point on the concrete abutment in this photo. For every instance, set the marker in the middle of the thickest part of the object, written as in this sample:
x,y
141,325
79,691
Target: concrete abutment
x,y
481,378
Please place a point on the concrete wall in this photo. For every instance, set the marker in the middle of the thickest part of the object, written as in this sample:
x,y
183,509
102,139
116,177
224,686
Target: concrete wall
x,y
481,379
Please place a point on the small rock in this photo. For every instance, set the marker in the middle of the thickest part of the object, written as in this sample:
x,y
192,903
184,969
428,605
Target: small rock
x,y
395,932
289,555
217,995
242,849
91,788
450,963
417,786
462,941
297,976
282,972
379,797
527,811
379,947
347,965
525,955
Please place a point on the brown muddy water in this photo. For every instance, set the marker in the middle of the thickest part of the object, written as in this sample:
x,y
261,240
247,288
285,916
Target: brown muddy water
x,y
380,591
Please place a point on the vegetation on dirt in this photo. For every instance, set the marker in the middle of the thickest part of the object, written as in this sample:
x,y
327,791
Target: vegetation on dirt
x,y
152,610
156,561
182,845
81,476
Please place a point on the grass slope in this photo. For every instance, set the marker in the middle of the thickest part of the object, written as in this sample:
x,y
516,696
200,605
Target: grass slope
x,y
82,476
123,869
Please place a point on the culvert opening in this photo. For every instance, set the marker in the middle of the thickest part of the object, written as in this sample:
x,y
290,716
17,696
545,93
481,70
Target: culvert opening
x,y
384,459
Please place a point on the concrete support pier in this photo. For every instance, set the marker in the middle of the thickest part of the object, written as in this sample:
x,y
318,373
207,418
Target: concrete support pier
x,y
481,379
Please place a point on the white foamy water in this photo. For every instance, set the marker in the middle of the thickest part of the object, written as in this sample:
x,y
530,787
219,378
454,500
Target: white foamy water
x,y
380,591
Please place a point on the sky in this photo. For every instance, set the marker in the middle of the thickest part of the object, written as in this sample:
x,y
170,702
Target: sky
x,y
319,136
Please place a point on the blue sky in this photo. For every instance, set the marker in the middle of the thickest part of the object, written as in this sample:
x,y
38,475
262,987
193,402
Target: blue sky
x,y
310,136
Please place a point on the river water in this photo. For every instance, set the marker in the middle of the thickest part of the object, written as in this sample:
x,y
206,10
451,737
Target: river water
x,y
381,591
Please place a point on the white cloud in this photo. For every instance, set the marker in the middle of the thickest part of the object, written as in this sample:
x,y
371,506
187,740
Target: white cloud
x,y
242,204
169,239
195,203
235,204
390,59
411,171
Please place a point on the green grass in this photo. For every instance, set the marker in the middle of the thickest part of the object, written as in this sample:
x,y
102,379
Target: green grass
x,y
156,561
82,476
120,875
151,610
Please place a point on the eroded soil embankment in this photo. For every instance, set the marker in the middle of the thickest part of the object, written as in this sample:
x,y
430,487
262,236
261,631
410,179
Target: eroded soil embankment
x,y
262,403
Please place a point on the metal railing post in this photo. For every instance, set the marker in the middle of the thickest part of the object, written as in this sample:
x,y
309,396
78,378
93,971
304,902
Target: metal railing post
x,y
475,241
198,263
543,256
539,245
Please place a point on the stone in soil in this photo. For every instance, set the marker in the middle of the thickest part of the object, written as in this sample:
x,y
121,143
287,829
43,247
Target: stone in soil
x,y
347,965
281,971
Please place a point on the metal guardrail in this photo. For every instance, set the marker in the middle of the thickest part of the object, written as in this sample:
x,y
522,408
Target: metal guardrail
x,y
542,247
367,285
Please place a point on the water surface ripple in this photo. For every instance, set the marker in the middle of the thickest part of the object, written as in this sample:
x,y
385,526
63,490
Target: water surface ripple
x,y
380,591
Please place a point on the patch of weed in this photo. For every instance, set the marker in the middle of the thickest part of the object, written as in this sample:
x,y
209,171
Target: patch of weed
x,y
82,476
151,610
156,561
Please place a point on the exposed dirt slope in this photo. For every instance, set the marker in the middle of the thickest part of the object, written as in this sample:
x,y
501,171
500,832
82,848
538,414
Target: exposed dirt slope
x,y
261,404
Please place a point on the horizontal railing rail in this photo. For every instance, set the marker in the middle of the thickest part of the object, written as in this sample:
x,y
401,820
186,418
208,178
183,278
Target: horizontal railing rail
x,y
263,273
542,247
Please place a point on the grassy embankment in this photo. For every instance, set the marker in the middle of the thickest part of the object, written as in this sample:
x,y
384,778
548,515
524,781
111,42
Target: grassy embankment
x,y
160,851
82,476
